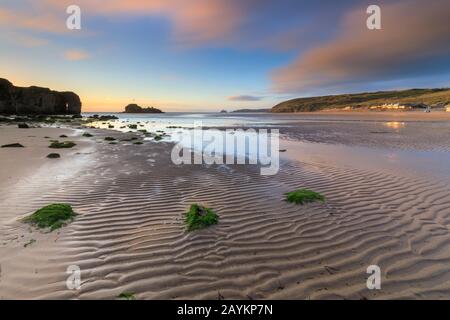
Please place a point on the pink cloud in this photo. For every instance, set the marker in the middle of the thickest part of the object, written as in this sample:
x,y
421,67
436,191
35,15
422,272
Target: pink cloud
x,y
76,55
43,22
194,21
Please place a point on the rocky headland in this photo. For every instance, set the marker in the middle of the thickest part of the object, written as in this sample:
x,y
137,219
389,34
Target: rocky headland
x,y
36,100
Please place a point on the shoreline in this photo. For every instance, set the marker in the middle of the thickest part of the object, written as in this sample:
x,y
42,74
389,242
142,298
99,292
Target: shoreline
x,y
376,115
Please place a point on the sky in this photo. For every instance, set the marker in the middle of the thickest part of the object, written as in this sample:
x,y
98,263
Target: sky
x,y
209,55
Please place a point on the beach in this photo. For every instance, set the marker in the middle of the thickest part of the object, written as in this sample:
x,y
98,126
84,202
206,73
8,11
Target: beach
x,y
385,179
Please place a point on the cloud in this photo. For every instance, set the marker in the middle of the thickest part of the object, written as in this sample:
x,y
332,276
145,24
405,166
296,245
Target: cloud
x,y
194,21
42,22
25,40
245,98
248,24
236,23
413,34
76,55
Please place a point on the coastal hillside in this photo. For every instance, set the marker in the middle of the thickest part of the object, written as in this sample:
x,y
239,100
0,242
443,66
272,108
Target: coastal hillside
x,y
413,98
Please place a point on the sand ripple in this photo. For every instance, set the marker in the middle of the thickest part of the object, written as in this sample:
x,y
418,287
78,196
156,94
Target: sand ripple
x,y
130,234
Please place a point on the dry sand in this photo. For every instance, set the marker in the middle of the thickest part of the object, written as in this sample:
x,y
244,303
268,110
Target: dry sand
x,y
130,234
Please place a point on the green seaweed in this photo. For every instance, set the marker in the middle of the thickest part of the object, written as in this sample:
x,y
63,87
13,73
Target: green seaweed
x,y
87,134
126,296
53,216
302,196
199,217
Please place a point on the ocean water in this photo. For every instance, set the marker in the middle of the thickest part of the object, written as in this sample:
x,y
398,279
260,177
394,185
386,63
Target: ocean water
x,y
177,126
188,119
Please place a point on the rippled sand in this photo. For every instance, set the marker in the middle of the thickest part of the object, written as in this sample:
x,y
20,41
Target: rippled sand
x,y
130,234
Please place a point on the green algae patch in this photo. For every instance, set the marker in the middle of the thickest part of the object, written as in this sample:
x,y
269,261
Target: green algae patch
x,y
126,296
303,196
53,216
200,217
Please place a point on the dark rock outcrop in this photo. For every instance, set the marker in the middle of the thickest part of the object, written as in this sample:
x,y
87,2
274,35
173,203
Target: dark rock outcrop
x,y
36,100
23,126
13,145
134,108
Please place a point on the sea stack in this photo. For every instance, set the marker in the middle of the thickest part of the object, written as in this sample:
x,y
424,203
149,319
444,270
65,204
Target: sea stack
x,y
134,108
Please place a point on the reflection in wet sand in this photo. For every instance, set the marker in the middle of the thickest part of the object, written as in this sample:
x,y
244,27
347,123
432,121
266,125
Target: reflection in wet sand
x,y
395,124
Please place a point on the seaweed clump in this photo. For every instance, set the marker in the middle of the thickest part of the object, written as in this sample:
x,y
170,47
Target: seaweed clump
x,y
126,296
200,217
53,216
302,196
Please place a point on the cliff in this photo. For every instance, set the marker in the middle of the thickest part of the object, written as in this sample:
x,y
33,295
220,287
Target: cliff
x,y
134,108
36,100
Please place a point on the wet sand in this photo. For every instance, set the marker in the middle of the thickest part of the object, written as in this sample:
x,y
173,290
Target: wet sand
x,y
130,234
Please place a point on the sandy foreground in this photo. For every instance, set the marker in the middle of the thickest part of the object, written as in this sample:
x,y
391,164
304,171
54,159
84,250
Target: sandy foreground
x,y
388,204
